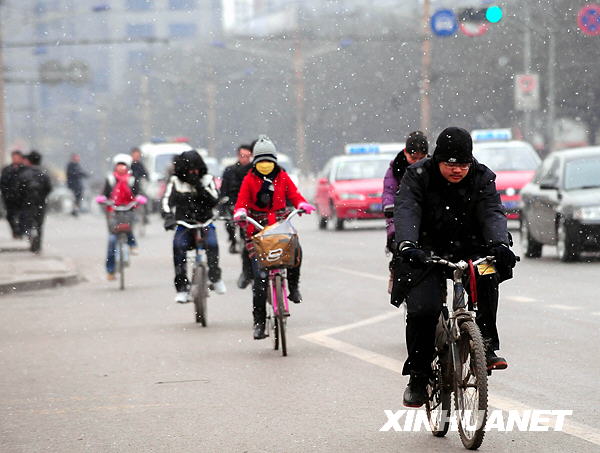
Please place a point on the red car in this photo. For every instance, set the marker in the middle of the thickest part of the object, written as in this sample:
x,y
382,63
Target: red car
x,y
350,187
514,163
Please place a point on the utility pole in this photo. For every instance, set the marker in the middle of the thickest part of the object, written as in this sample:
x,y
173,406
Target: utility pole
x,y
211,114
426,70
551,96
527,65
145,92
2,94
298,63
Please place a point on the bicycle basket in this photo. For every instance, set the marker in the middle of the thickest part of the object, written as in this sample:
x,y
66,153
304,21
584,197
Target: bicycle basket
x,y
277,246
120,221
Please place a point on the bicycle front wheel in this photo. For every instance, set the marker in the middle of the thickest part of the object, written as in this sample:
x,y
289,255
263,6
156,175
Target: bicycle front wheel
x,y
271,326
438,403
199,293
280,315
120,252
471,386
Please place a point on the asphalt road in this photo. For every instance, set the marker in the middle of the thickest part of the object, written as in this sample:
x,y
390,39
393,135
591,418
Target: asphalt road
x,y
90,368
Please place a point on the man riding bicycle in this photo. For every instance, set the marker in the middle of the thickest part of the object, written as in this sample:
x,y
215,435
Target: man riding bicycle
x,y
190,196
264,195
447,206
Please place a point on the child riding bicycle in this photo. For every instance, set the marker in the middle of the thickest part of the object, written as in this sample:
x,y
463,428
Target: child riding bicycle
x,y
264,195
121,189
190,196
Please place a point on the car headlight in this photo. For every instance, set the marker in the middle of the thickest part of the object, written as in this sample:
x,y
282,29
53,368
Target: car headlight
x,y
352,196
587,213
510,192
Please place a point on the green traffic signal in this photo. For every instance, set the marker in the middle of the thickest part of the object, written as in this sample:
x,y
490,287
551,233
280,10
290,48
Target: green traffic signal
x,y
493,14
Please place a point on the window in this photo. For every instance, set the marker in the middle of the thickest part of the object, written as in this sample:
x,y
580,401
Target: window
x,y
138,61
139,5
187,5
182,30
361,169
583,173
140,30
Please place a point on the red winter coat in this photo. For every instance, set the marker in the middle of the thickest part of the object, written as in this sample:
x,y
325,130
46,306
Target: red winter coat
x,y
285,190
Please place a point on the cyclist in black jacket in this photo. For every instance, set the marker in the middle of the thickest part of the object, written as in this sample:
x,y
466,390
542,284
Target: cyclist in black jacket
x,y
447,205
190,196
230,187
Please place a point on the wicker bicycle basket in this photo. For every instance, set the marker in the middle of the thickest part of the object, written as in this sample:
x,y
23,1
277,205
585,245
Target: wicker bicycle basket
x,y
278,246
120,221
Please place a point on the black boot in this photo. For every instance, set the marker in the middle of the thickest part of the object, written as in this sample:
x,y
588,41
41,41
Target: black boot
x,y
415,394
293,286
494,362
259,331
243,281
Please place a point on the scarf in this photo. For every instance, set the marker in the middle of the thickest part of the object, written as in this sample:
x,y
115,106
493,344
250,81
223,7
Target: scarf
x,y
264,197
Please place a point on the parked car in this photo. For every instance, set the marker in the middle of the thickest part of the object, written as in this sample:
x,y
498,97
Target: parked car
x,y
514,163
561,206
350,187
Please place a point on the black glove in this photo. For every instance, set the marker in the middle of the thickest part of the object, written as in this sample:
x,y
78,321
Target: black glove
x,y
388,212
170,222
504,256
416,258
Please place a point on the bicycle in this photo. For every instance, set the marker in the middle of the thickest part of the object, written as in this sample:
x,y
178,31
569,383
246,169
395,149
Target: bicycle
x,y
120,222
199,286
278,309
459,365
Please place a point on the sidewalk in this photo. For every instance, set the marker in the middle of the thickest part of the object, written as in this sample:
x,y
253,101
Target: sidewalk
x,y
21,270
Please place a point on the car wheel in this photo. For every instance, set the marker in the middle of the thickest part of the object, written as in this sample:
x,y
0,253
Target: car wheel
x,y
531,247
566,242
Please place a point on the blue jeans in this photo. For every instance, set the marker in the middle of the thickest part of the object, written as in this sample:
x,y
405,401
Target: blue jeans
x,y
112,250
184,241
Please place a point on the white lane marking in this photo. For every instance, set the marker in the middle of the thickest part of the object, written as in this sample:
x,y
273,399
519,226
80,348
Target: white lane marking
x,y
521,299
564,307
358,273
320,337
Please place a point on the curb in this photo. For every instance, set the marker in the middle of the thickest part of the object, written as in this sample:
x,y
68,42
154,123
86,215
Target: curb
x,y
39,283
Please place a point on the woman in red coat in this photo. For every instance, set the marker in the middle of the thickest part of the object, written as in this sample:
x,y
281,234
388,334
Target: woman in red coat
x,y
265,193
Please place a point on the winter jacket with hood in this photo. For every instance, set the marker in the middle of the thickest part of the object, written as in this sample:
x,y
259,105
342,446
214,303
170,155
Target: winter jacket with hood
x,y
391,182
190,197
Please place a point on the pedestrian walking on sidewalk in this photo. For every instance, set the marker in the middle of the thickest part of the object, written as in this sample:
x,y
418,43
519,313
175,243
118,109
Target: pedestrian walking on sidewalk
x,y
12,197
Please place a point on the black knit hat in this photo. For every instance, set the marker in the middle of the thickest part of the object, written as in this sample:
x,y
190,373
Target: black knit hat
x,y
416,142
454,145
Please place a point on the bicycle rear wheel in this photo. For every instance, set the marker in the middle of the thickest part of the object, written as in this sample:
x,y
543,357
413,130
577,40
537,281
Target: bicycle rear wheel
x,y
281,318
471,386
438,403
199,293
120,252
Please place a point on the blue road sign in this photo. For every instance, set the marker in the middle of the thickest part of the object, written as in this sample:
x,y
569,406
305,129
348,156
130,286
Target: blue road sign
x,y
444,23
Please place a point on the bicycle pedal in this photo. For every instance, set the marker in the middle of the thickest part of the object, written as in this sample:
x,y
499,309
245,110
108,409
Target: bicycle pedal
x,y
287,314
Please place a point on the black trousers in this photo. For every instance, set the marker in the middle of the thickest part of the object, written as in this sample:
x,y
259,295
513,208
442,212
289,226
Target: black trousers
x,y
33,223
14,216
424,303
259,289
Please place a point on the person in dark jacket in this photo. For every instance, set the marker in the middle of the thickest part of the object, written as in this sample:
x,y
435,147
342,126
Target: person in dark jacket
x,y
191,195
447,205
10,186
36,186
230,188
138,169
416,149
75,177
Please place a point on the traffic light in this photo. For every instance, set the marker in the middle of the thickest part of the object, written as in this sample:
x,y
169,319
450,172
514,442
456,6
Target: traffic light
x,y
492,14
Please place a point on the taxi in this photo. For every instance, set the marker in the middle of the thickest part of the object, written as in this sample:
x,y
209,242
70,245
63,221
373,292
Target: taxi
x,y
350,186
513,161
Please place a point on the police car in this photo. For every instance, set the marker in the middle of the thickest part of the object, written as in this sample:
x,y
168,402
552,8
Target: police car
x,y
513,161
350,186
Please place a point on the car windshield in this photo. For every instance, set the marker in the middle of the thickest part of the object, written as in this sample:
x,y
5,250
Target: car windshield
x,y
508,159
361,169
582,173
162,162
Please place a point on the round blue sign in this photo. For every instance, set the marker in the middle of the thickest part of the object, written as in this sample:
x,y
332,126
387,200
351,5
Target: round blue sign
x,y
444,22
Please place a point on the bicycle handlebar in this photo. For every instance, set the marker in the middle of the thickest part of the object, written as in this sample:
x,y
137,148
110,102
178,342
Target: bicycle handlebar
x,y
192,226
247,218
128,207
460,264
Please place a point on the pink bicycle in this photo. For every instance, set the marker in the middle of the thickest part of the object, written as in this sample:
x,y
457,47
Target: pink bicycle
x,y
278,310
